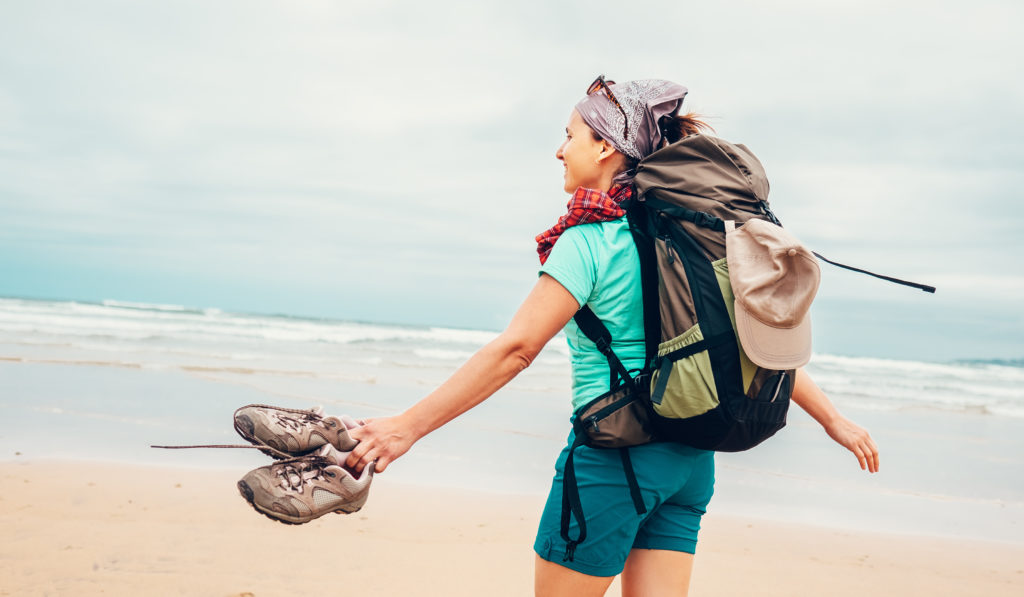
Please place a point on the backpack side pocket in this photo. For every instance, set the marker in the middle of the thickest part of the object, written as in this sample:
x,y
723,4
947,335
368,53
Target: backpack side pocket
x,y
684,385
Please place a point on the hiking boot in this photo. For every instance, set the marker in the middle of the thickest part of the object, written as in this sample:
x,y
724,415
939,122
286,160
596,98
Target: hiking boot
x,y
291,431
297,490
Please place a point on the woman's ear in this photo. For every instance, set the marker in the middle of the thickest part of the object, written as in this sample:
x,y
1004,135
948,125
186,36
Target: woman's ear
x,y
607,150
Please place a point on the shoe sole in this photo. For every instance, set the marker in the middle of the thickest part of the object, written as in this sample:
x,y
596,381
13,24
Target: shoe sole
x,y
247,493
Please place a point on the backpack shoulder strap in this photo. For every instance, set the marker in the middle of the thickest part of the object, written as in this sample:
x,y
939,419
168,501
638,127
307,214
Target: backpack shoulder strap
x,y
593,328
643,231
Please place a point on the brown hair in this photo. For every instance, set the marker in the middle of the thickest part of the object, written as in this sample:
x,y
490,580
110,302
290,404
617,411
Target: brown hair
x,y
678,127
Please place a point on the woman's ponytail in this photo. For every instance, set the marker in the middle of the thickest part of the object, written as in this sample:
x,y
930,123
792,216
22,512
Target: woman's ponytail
x,y
674,128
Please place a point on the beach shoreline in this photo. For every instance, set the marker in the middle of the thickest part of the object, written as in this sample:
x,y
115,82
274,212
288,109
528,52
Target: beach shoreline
x,y
85,528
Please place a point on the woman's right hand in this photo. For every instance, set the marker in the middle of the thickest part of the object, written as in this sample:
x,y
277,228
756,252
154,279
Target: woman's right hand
x,y
545,311
381,441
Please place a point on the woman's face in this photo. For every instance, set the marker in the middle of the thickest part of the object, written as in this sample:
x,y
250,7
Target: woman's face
x,y
585,159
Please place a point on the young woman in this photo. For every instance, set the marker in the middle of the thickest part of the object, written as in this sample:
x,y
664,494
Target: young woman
x,y
596,264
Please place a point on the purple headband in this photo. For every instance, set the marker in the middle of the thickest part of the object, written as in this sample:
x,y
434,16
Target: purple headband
x,y
645,102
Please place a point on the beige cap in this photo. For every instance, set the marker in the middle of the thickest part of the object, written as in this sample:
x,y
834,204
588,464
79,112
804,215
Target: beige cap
x,y
774,279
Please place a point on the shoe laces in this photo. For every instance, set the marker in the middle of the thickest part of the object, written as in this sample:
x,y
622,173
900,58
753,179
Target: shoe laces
x,y
297,423
296,473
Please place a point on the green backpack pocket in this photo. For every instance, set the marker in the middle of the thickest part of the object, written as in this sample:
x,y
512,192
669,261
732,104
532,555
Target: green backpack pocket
x,y
690,388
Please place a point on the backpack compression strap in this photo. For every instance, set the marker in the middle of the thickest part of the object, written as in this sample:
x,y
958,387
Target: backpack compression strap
x,y
706,220
923,287
700,218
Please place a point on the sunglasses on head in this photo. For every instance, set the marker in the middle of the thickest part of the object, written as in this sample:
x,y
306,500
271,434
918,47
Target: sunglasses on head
x,y
600,84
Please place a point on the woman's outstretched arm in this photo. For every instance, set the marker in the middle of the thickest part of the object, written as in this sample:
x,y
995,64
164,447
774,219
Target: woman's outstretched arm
x,y
546,310
808,396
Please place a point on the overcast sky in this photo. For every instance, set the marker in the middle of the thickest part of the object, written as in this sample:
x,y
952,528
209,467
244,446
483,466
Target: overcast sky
x,y
392,161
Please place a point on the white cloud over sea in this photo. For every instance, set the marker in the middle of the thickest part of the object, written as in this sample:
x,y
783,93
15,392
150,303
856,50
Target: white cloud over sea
x,y
392,161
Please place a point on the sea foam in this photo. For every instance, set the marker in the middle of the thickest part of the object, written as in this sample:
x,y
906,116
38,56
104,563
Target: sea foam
x,y
161,336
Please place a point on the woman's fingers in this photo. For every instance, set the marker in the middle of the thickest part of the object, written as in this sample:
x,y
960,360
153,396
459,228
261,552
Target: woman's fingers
x,y
873,452
857,440
379,443
358,455
861,458
867,453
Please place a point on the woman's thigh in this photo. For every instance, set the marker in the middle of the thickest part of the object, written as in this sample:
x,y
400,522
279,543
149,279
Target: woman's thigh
x,y
657,573
554,580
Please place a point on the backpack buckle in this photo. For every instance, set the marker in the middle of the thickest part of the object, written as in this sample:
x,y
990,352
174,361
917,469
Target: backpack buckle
x,y
706,220
642,381
765,210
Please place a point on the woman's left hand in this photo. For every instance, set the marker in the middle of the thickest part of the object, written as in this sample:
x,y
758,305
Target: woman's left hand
x,y
856,439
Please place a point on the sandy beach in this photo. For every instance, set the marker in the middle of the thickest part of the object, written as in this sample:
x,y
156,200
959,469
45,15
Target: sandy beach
x,y
89,509
91,528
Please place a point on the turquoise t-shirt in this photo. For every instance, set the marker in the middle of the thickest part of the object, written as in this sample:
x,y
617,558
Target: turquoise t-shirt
x,y
598,264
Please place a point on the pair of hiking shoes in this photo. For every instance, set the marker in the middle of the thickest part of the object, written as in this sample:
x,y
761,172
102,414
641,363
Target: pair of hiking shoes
x,y
310,478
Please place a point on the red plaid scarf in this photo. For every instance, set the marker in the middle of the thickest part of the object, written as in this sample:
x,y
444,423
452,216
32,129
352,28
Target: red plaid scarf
x,y
585,206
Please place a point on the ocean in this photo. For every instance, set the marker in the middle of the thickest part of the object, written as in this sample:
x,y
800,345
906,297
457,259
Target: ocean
x,y
103,381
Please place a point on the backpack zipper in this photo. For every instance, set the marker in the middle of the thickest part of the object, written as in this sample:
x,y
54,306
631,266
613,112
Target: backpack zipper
x,y
778,386
669,248
592,422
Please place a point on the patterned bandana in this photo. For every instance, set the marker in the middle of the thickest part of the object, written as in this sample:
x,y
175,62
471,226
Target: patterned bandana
x,y
585,206
645,102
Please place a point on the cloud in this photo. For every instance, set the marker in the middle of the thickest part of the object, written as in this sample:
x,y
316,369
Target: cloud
x,y
351,149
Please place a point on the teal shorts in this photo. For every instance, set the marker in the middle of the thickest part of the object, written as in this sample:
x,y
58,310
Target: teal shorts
x,y
676,483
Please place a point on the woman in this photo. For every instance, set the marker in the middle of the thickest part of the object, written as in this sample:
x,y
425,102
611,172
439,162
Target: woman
x,y
596,264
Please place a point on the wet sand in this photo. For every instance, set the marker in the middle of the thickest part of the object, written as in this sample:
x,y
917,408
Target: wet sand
x,y
90,528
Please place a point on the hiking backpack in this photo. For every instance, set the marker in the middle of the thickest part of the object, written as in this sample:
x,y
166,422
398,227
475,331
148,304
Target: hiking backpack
x,y
697,386
703,390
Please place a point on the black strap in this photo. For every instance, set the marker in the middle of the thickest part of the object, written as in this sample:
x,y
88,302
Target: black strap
x,y
706,220
642,229
664,371
571,505
593,328
634,487
700,218
923,287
